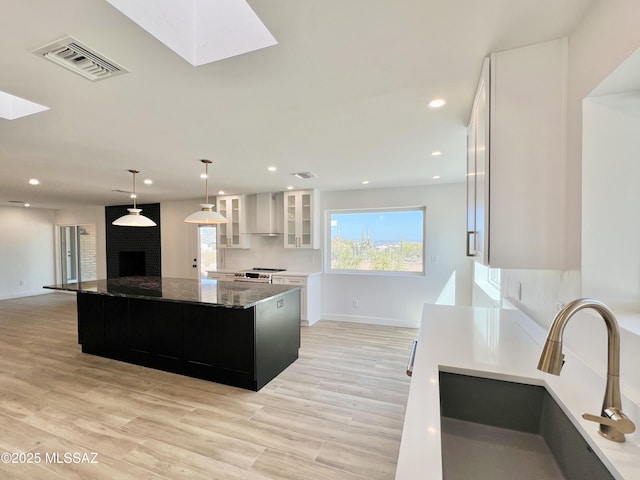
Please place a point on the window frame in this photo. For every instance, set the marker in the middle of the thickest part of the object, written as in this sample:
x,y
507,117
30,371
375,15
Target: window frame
x,y
382,210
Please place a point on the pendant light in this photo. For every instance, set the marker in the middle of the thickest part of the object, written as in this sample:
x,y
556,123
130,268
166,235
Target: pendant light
x,y
207,215
133,218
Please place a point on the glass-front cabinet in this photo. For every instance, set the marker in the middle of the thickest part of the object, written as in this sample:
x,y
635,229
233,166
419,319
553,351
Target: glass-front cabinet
x,y
300,219
234,233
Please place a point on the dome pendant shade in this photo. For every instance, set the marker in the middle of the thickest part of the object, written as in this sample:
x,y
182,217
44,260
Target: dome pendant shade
x,y
133,218
207,215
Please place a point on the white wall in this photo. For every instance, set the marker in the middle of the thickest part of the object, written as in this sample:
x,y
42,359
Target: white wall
x,y
398,300
26,251
611,197
179,240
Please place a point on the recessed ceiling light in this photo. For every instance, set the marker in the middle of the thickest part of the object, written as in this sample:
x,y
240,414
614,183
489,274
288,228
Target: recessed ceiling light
x,y
437,103
148,181
436,153
435,177
289,187
365,182
203,175
34,181
221,192
27,204
271,168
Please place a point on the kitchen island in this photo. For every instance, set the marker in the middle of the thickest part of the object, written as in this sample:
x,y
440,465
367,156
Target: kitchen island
x,y
240,334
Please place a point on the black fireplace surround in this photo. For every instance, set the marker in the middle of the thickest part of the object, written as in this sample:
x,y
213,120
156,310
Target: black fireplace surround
x,y
133,250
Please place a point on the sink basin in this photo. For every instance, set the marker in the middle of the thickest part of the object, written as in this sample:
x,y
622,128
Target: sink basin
x,y
497,429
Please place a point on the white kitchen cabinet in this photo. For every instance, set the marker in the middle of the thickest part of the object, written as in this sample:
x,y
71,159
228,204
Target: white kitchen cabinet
x,y
301,219
309,295
234,233
515,177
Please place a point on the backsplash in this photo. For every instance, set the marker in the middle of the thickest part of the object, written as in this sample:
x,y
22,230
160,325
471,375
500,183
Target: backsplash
x,y
269,252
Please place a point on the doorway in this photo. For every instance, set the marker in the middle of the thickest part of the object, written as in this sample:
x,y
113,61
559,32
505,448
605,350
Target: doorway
x,y
76,253
208,250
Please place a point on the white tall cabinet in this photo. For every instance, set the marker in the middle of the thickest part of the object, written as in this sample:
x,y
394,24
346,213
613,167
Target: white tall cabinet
x,y
301,219
515,177
234,233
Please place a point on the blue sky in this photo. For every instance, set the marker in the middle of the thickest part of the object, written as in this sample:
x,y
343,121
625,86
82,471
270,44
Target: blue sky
x,y
382,226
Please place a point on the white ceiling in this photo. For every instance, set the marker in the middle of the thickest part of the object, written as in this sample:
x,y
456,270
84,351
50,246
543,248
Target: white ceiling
x,y
343,94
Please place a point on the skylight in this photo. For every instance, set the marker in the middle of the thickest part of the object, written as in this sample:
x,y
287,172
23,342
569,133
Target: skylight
x,y
200,31
12,107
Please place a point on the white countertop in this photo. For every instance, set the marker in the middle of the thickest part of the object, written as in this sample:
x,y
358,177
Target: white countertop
x,y
504,345
284,273
293,273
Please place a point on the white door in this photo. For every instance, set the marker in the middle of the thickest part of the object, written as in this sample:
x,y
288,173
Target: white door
x,y
208,251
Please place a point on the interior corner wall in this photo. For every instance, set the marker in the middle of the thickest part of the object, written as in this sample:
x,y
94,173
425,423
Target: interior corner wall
x,y
610,253
607,35
26,251
398,300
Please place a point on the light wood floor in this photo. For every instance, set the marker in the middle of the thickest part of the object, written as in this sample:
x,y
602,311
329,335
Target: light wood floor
x,y
336,413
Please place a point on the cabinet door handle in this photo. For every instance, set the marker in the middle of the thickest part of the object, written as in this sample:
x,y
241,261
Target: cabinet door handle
x,y
412,358
471,243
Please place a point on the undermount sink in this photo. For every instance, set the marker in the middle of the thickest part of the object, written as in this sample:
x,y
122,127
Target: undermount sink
x,y
498,429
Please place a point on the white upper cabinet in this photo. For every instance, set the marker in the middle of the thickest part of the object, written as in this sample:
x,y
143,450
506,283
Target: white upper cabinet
x,y
234,233
516,192
301,219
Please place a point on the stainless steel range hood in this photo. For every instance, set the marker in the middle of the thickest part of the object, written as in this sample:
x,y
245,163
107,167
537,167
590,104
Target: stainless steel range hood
x,y
265,214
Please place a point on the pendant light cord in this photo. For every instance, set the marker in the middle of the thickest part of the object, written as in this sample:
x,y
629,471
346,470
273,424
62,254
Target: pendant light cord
x,y
133,186
133,183
206,182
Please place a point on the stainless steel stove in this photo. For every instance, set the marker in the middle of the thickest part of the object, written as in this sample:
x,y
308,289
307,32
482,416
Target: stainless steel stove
x,y
256,274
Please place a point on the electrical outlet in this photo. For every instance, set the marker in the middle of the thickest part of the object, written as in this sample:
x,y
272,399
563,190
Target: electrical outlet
x,y
519,291
354,303
22,283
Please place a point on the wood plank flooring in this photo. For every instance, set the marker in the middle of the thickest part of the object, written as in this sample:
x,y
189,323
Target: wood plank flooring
x,y
336,413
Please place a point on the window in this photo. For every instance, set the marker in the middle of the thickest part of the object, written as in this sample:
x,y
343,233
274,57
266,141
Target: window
x,y
377,241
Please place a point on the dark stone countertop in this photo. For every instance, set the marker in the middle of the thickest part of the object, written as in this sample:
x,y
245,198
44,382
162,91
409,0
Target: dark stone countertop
x,y
186,290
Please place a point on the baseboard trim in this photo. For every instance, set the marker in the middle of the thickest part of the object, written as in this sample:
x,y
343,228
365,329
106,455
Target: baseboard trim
x,y
24,294
389,322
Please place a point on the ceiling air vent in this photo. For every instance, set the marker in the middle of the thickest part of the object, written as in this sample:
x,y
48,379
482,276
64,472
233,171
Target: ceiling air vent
x,y
73,55
304,175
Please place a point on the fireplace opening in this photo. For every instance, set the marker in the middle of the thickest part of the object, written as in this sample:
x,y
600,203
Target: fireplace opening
x,y
132,264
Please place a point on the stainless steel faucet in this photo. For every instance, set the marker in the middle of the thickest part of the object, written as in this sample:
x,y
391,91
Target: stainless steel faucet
x,y
613,423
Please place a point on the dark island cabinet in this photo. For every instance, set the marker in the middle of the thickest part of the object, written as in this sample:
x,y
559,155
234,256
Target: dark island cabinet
x,y
244,347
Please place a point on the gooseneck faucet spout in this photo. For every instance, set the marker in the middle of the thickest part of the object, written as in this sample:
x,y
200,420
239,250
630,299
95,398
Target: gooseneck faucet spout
x,y
613,423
